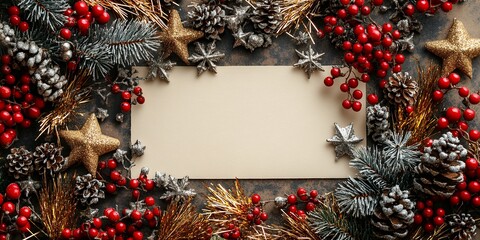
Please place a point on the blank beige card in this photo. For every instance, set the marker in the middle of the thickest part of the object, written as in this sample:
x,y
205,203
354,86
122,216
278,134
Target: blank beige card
x,y
244,122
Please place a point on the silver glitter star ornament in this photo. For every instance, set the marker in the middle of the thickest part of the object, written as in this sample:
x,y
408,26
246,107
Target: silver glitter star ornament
x,y
159,68
309,61
206,57
344,141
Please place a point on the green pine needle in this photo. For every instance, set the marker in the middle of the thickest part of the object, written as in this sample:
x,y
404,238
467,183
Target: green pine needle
x,y
371,166
357,197
47,12
327,224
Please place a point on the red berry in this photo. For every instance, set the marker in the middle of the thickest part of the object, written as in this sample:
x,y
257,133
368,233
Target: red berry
x,y
263,216
13,10
125,107
141,99
111,188
97,222
66,233
344,87
126,95
437,95
21,221
463,91
97,10
255,198
114,216
429,203
420,205
357,94
468,114
115,88
8,207
453,114
328,81
356,106
423,5
465,196
474,98
23,26
136,194
417,219
471,163
72,65
310,206
15,20
115,175
442,123
104,18
346,104
454,200
25,211
335,72
292,199
134,183
13,191
150,201
444,83
313,193
352,10
372,99
81,8
474,187
454,78
149,185
474,134
33,112
366,10
339,30
65,33
438,220
427,212
93,232
5,92
440,212
136,215
83,25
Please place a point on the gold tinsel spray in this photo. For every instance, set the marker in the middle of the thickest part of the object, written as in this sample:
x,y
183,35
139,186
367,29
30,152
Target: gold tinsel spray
x,y
58,205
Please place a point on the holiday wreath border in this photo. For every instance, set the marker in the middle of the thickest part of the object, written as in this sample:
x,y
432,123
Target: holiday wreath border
x,y
48,78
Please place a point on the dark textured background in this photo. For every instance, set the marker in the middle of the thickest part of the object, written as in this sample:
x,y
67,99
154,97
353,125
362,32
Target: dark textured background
x,y
282,53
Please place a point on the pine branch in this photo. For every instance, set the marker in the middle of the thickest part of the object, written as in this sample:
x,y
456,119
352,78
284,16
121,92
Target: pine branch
x,y
129,42
329,224
369,163
47,12
95,57
357,197
400,156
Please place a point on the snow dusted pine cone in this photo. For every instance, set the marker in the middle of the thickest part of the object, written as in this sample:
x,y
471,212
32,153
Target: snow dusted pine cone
x,y
266,16
209,18
401,89
377,122
89,189
20,162
48,158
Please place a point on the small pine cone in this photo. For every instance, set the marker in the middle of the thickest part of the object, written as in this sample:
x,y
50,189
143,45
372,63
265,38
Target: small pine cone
x,y
441,166
394,214
401,89
7,35
266,16
89,189
377,122
48,158
209,18
20,162
27,54
462,226
50,82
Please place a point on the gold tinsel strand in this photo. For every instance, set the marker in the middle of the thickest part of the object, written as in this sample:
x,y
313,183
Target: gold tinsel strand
x,y
294,13
422,122
232,206
296,228
143,10
66,106
181,221
58,205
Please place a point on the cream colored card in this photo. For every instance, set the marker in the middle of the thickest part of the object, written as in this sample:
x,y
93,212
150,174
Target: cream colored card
x,y
245,122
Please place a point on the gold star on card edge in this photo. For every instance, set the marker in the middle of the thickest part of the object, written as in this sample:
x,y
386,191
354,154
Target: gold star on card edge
x,y
175,38
457,50
88,144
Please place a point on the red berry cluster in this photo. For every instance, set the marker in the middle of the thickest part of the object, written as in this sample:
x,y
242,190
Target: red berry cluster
x,y
302,197
82,17
16,20
428,215
256,215
468,191
232,232
12,220
431,6
126,95
18,106
456,118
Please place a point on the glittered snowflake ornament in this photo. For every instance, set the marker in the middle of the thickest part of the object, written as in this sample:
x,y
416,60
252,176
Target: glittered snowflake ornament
x,y
159,68
344,141
206,57
309,61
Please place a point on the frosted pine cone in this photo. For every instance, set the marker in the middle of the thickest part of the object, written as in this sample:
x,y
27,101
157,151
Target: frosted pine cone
x,y
463,226
377,122
20,162
394,214
209,18
89,189
401,89
50,82
7,34
441,166
266,16
48,158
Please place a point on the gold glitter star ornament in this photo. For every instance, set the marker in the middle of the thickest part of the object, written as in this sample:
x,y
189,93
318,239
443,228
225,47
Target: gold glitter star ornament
x,y
457,50
88,144
176,38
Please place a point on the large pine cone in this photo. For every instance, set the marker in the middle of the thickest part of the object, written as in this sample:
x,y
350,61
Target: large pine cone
x,y
20,162
88,189
401,89
377,122
440,169
394,214
267,16
209,18
48,158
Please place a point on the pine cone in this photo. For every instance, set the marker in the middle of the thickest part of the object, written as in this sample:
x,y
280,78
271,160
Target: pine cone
x,y
377,122
7,34
463,226
88,189
20,162
266,16
401,89
209,18
440,169
50,82
394,214
48,158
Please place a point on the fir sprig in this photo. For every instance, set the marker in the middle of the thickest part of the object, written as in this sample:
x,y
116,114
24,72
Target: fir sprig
x,y
400,156
329,225
47,12
370,164
94,57
357,197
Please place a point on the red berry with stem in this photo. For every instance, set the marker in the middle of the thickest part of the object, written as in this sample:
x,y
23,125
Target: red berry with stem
x,y
468,114
110,188
437,95
65,33
423,5
372,99
141,99
357,94
471,163
352,10
427,212
440,212
454,200
126,95
125,107
83,25
13,191
474,134
291,199
442,123
150,201
97,10
335,72
13,10
356,106
475,201
66,233
328,81
81,8
15,20
444,83
474,187
104,18
463,92
25,211
8,207
255,198
474,98
23,26
344,87
447,6
465,196
453,114
438,220
417,219
454,78
263,216
346,104
310,206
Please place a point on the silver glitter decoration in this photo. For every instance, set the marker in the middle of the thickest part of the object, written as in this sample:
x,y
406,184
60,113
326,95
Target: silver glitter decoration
x,y
29,186
235,21
101,114
206,56
309,61
138,149
159,68
280,202
176,189
119,117
344,141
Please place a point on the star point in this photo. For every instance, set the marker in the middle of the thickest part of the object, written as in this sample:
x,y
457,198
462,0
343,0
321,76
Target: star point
x,y
88,144
457,50
344,141
176,37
